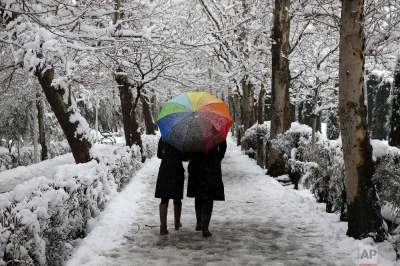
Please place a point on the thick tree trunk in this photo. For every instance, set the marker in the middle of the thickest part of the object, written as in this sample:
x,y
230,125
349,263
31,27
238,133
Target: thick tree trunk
x,y
280,121
280,69
394,137
128,107
364,217
147,115
66,114
247,103
268,108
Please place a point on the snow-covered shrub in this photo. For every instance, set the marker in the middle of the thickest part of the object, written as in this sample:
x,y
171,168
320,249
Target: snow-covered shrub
x,y
318,168
41,217
150,143
327,176
292,138
387,180
249,139
321,168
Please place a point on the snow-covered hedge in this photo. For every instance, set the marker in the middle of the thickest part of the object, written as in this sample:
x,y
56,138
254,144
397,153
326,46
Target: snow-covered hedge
x,y
26,157
41,217
321,168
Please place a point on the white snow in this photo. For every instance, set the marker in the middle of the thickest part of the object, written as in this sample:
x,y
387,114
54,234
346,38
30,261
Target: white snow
x,y
10,178
382,148
260,223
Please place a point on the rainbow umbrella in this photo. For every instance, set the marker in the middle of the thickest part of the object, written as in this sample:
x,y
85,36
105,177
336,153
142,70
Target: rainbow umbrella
x,y
194,121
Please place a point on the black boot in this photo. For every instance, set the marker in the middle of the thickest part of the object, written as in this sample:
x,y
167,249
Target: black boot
x,y
197,207
177,215
206,212
163,219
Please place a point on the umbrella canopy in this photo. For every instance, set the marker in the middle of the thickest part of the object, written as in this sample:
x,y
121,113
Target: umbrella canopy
x,y
194,121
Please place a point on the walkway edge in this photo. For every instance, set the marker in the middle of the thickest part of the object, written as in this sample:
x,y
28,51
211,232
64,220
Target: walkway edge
x,y
114,221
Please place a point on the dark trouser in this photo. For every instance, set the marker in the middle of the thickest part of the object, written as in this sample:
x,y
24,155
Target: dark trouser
x,y
203,209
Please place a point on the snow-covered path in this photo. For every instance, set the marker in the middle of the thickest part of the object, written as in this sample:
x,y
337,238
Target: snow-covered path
x,y
260,223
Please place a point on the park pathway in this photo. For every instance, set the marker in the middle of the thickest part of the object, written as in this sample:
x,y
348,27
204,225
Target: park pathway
x,y
260,223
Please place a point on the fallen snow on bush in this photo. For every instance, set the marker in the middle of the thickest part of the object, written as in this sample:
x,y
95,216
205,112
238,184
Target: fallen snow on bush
x,y
51,206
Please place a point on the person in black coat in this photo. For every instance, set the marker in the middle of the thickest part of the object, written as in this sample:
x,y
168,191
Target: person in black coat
x,y
205,184
170,180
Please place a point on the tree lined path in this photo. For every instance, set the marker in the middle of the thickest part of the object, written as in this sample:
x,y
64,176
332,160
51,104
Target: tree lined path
x,y
260,223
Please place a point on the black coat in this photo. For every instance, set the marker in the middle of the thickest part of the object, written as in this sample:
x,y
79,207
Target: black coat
x,y
171,175
205,176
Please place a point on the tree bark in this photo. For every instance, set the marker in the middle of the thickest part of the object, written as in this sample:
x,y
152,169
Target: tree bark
x,y
280,69
247,103
232,110
42,129
128,106
65,113
35,131
238,120
364,217
280,121
153,100
260,105
260,137
394,137
147,115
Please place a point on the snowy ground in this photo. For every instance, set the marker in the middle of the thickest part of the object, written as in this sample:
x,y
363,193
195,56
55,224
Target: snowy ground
x,y
260,223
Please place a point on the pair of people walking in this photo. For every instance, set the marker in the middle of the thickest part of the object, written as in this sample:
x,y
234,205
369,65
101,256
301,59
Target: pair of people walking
x,y
204,184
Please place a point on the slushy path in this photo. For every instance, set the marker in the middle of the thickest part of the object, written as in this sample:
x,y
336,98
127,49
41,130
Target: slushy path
x,y
260,223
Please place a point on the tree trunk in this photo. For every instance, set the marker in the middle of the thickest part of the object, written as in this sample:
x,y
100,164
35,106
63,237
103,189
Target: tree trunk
x,y
42,129
280,69
35,134
364,217
313,131
260,155
232,110
280,121
394,137
153,100
147,115
238,120
247,103
260,105
67,115
268,108
96,121
128,107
